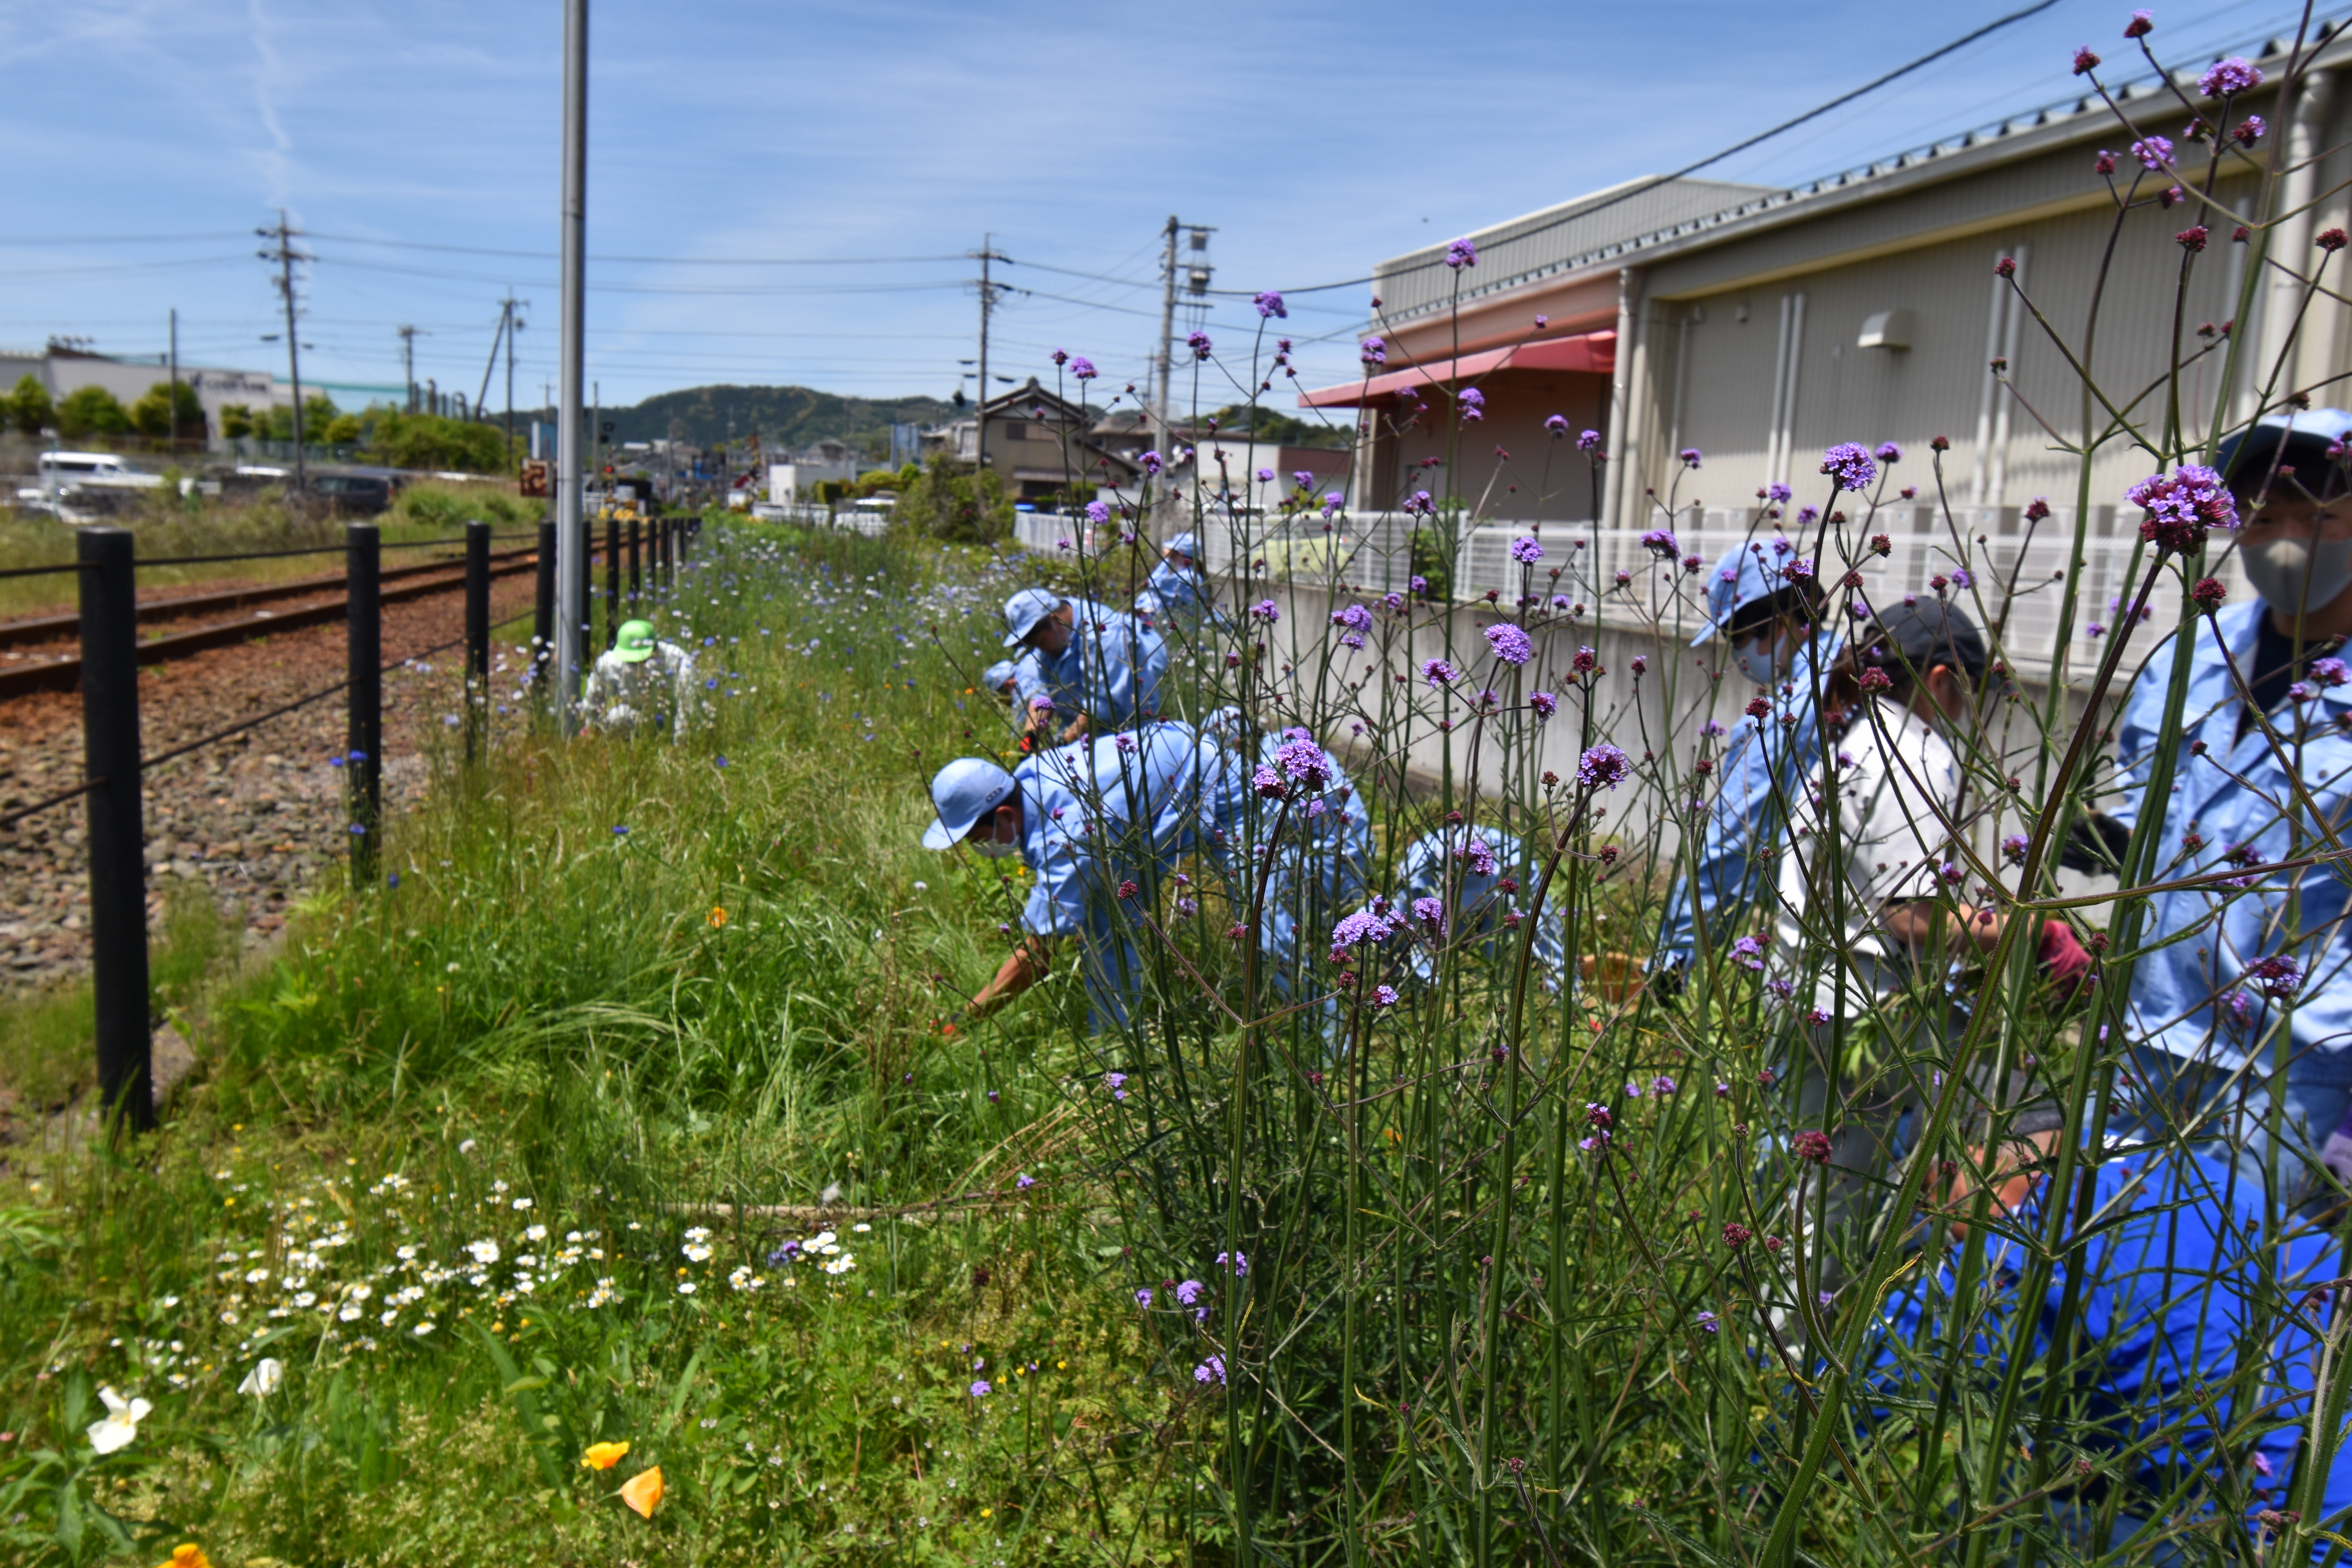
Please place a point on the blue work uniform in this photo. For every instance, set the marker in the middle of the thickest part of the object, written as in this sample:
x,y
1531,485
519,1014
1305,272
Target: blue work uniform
x,y
1097,814
1110,669
2182,1281
1436,859
1174,596
1321,862
1764,768
2199,1008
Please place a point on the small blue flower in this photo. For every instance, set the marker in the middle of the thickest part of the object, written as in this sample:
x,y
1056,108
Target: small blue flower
x,y
358,828
619,831
392,880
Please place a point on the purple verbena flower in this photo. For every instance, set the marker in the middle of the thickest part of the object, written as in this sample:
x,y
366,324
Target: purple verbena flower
x,y
1269,304
1690,457
1199,343
1430,913
1267,610
1603,767
1849,466
1527,552
1461,253
1212,1371
1082,367
2182,505
1437,673
1511,644
1143,1296
2224,79
1544,703
1660,542
1372,351
2154,153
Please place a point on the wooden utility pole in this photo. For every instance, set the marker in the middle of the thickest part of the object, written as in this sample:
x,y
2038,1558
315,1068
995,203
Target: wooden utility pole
x,y
987,304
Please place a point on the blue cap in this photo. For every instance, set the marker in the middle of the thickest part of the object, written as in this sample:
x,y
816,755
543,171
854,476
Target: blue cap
x,y
1747,573
1024,610
2306,434
993,678
1183,544
963,793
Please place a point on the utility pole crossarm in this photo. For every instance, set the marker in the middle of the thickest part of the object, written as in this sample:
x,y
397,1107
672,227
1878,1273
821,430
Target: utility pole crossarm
x,y
285,255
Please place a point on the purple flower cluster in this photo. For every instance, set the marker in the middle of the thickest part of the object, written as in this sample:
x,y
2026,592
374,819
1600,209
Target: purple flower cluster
x,y
1199,343
1660,542
1557,424
1690,457
1526,551
1372,351
1306,765
1367,925
1082,368
1603,767
2154,153
1461,253
1353,617
1269,304
1474,405
1588,441
1212,1371
1544,703
1748,952
2224,79
1510,643
1430,913
2182,505
1437,673
1480,854
1849,466
1267,610
2277,976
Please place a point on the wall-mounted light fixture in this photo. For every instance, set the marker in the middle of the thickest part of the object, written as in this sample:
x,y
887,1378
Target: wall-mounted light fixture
x,y
1886,330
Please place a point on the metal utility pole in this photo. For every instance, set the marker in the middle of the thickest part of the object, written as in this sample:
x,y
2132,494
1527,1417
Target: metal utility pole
x,y
408,359
571,538
987,304
513,326
285,255
176,381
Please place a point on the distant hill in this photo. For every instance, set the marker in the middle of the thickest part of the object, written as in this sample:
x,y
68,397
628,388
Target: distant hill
x,y
787,416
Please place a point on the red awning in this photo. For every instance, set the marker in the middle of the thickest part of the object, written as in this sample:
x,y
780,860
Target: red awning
x,y
1593,352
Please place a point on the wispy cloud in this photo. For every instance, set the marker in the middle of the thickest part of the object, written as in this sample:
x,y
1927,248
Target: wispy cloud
x,y
278,162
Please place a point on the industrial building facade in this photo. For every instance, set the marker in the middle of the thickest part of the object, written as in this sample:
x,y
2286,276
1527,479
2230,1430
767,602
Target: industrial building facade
x,y
1759,327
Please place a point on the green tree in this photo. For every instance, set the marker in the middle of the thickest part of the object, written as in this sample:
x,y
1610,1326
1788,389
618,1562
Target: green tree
x,y
342,430
28,410
237,421
152,415
399,440
91,411
954,505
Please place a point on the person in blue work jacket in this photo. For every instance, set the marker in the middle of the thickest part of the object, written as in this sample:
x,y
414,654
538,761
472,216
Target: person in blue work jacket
x,y
2236,975
1088,820
2186,1287
1494,875
1100,667
1174,595
1762,599
1322,856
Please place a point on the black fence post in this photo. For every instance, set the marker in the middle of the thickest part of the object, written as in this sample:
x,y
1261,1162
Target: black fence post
x,y
636,578
363,553
117,848
612,580
542,620
478,637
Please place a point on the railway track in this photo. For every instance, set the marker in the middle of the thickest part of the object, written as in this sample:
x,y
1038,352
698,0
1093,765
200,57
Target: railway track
x,y
303,601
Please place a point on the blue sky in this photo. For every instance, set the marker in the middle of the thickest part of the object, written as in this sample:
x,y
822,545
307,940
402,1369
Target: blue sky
x,y
877,142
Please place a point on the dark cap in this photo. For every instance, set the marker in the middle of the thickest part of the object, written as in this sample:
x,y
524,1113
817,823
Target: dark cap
x,y
1919,635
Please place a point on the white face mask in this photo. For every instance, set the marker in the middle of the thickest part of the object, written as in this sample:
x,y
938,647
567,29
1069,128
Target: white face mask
x,y
1760,660
2299,573
993,849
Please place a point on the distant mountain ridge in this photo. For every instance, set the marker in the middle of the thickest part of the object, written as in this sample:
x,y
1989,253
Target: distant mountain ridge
x,y
790,417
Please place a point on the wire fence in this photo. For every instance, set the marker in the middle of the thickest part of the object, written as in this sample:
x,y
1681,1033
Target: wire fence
x,y
109,667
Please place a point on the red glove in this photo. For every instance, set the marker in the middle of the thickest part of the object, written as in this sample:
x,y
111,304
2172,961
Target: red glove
x,y
2063,958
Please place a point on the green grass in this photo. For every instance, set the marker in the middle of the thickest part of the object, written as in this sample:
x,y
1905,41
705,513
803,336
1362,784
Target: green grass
x,y
545,1009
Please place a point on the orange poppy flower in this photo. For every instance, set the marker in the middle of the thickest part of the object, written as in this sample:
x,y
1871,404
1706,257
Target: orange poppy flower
x,y
643,1491
187,1554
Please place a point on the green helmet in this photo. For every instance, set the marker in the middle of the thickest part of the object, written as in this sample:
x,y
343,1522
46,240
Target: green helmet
x,y
635,642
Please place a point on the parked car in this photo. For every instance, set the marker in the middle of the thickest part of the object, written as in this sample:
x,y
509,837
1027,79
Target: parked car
x,y
100,470
352,495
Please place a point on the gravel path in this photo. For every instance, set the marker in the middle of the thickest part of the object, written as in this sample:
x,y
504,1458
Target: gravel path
x,y
257,819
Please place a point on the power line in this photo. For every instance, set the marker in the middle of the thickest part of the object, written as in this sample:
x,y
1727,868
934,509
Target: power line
x,y
1635,188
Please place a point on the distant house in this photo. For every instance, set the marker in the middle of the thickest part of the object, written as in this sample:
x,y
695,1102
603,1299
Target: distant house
x,y
795,480
1039,444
